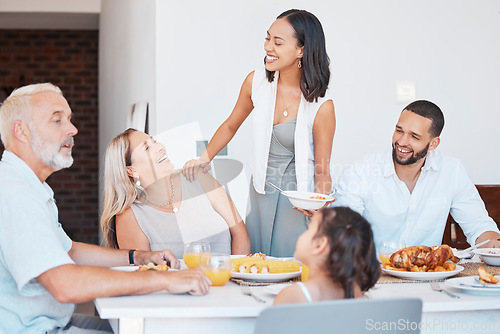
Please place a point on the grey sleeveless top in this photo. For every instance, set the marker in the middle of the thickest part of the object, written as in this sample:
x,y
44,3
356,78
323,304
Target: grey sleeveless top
x,y
272,223
196,220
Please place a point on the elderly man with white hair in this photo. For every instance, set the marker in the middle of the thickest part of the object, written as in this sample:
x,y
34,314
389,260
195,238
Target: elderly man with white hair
x,y
43,273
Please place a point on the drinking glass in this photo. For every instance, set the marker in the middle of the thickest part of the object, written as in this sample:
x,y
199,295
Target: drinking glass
x,y
388,247
217,267
193,252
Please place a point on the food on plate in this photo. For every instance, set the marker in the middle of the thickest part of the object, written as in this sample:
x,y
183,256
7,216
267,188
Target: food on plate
x,y
259,265
254,255
267,267
449,266
152,266
408,257
423,259
488,251
244,263
486,277
317,197
437,257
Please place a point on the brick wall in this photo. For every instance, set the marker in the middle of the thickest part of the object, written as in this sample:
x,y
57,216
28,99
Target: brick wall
x,y
68,59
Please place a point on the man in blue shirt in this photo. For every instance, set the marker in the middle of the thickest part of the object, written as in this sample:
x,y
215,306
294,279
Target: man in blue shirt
x,y
407,191
43,273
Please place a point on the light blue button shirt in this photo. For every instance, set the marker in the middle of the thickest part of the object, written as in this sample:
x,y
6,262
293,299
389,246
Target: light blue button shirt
x,y
372,188
32,241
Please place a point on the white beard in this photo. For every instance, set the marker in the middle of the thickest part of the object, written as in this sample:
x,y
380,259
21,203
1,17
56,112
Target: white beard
x,y
50,155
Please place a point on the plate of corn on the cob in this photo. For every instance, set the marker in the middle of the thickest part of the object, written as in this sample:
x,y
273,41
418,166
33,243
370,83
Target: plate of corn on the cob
x,y
261,268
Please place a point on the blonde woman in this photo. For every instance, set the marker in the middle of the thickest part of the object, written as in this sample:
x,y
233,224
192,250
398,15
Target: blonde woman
x,y
148,205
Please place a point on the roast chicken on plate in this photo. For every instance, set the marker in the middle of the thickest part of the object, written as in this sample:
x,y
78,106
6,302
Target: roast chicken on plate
x,y
424,258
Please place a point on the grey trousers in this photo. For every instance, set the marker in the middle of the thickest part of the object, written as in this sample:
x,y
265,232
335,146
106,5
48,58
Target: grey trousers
x,y
84,324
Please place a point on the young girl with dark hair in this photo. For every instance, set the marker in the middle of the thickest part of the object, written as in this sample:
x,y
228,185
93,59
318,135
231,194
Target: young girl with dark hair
x,y
339,250
293,130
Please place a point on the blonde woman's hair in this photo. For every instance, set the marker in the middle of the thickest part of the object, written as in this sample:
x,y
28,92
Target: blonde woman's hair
x,y
17,107
120,190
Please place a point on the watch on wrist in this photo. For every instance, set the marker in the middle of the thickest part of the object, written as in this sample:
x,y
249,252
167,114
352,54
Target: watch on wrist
x,y
131,257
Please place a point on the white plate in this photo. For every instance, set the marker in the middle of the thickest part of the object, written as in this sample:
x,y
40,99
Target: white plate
x,y
265,277
274,289
471,284
126,268
423,276
490,256
303,200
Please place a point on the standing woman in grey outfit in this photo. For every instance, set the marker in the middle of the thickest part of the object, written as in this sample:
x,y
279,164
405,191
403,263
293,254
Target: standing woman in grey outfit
x,y
293,130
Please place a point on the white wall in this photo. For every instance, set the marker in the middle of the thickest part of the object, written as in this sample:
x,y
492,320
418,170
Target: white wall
x,y
127,63
449,48
204,50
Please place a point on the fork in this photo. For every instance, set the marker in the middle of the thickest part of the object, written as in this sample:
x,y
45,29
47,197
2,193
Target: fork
x,y
466,253
245,289
435,287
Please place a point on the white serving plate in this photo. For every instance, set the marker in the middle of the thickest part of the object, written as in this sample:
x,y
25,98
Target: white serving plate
x,y
423,276
266,277
470,284
303,200
489,256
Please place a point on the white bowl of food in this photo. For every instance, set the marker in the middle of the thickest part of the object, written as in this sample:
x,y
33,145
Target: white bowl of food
x,y
489,256
307,200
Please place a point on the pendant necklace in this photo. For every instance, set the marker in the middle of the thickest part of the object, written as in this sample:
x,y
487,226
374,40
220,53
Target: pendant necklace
x,y
167,203
285,112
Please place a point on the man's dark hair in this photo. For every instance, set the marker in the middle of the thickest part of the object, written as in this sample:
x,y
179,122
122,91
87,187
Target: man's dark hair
x,y
431,111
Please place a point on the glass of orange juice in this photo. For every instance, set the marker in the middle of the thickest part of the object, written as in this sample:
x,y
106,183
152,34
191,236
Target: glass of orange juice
x,y
217,267
193,252
388,247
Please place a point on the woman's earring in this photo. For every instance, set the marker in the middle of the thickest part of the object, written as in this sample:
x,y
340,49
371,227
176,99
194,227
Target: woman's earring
x,y
137,182
300,63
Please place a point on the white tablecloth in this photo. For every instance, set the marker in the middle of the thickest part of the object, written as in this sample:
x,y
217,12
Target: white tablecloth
x,y
226,310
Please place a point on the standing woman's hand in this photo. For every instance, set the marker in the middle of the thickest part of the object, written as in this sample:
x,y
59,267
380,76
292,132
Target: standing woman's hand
x,y
190,168
310,213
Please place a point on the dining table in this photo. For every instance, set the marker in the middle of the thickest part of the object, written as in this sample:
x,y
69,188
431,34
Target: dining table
x,y
226,309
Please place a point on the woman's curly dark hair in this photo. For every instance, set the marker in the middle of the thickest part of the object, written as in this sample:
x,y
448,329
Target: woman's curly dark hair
x,y
315,61
352,259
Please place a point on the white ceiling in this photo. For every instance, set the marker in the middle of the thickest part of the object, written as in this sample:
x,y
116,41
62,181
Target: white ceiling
x,y
50,14
61,21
